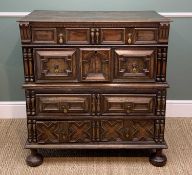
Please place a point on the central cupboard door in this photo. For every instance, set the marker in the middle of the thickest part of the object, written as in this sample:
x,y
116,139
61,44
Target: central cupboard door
x,y
95,64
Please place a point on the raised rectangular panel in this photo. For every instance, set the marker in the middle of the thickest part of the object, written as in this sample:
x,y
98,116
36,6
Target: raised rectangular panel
x,y
63,104
50,132
55,64
127,104
77,35
44,35
112,35
145,35
135,64
95,64
118,130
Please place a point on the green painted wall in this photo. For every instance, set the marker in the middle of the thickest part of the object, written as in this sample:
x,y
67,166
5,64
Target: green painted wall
x,y
11,71
180,48
159,5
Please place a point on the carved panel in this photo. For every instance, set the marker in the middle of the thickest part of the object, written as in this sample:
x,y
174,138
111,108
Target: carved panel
x,y
103,130
64,104
164,32
128,104
80,131
112,36
64,131
127,130
55,64
95,64
44,35
25,32
134,65
145,35
77,35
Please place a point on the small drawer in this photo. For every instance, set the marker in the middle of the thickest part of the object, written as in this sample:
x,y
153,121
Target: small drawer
x,y
112,36
127,104
50,132
44,35
77,35
55,65
63,104
90,131
135,64
145,36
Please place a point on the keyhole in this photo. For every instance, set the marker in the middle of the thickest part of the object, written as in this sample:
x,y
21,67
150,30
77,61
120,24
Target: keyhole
x,y
95,51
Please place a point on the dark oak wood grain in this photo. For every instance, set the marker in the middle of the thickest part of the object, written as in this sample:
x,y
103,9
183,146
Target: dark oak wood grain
x,y
95,80
94,16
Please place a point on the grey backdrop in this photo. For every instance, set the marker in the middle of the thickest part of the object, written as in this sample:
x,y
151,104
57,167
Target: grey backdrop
x,y
180,48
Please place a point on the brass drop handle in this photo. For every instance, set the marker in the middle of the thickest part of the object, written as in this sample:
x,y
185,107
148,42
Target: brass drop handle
x,y
134,70
129,38
64,109
97,36
61,38
92,35
56,68
128,109
134,66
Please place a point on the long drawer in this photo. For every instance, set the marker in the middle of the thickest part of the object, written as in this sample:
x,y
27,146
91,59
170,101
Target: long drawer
x,y
95,104
103,36
86,131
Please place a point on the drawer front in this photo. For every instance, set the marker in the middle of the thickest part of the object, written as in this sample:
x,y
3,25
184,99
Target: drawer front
x,y
95,64
50,132
44,35
55,65
86,131
95,35
77,35
135,64
117,130
143,36
112,36
63,104
127,104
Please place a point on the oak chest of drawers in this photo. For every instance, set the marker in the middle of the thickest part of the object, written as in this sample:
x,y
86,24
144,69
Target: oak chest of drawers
x,y
95,80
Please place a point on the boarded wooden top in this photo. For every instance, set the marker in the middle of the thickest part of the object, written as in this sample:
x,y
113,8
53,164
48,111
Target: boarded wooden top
x,y
93,16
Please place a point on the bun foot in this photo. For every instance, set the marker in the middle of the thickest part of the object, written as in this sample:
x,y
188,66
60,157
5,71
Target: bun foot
x,y
158,159
34,159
